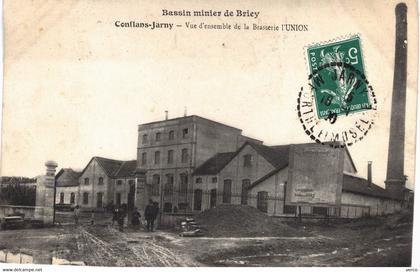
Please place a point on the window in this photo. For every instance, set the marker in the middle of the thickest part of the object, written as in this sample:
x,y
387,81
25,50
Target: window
x,y
214,179
247,160
171,135
118,199
61,198
86,181
184,155
183,206
99,198
157,138
170,156
143,158
167,207
169,185
262,201
144,140
101,181
119,182
85,198
185,133
198,195
157,157
155,185
227,190
183,187
244,193
72,198
198,180
289,209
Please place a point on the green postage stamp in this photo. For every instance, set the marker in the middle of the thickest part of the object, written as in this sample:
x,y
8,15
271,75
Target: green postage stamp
x,y
337,78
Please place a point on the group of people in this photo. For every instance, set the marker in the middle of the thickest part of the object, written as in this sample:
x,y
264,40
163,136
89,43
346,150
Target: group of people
x,y
150,213
119,213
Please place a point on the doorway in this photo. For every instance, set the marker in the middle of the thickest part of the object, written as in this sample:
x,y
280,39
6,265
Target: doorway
x,y
213,198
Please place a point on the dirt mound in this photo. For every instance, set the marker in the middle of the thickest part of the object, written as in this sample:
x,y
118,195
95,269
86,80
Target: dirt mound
x,y
241,221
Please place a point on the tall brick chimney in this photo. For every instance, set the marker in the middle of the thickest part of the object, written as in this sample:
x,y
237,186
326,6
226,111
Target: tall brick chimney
x,y
395,179
369,174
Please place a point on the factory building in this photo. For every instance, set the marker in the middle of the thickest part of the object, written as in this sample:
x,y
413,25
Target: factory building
x,y
170,150
257,175
103,182
190,164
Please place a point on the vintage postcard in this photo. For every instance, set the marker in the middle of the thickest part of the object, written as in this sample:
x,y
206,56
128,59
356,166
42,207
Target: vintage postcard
x,y
208,133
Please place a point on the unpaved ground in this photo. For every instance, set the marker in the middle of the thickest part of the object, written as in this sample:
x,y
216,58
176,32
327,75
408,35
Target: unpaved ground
x,y
367,242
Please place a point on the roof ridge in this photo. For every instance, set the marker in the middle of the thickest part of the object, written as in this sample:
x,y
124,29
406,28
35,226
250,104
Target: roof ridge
x,y
106,170
103,158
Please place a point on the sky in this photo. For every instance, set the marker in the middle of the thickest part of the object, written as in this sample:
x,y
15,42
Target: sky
x,y
76,86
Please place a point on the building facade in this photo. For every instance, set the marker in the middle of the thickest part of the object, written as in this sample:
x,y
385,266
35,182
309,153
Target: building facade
x,y
102,183
257,175
170,150
67,186
191,164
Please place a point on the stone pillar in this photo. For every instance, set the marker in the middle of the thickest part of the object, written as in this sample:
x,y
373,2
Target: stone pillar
x,y
395,179
44,209
141,197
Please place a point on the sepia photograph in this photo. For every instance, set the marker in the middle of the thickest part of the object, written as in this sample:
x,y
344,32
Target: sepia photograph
x,y
221,133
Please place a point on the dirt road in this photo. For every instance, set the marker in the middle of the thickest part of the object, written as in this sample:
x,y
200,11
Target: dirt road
x,y
366,242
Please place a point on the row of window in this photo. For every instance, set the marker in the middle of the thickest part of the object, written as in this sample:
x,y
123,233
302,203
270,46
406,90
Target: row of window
x,y
72,198
200,180
171,136
99,199
170,157
120,182
100,181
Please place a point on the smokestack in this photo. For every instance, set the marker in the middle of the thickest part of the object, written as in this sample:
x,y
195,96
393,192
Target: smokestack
x,y
369,174
166,115
395,181
185,111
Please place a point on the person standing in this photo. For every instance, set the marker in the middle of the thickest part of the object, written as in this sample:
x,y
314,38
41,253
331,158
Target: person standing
x,y
149,215
135,219
76,213
120,220
155,211
115,214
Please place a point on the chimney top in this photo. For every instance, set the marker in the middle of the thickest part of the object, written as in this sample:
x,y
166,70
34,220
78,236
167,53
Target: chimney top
x,y
166,115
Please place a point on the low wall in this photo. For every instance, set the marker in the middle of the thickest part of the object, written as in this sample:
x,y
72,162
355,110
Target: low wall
x,y
28,211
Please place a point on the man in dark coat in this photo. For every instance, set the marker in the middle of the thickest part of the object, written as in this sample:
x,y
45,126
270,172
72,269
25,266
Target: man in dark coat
x,y
149,215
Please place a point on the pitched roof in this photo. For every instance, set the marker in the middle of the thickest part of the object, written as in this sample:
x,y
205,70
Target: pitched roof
x,y
216,163
108,165
127,169
114,168
359,185
270,174
67,177
277,155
